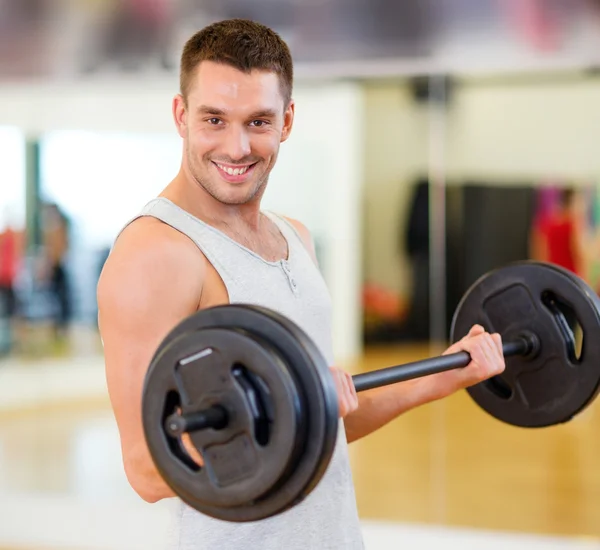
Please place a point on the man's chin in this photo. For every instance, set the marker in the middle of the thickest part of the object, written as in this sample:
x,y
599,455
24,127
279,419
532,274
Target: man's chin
x,y
238,195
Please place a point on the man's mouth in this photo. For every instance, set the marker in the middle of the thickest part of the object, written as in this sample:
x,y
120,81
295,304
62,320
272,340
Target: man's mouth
x,y
233,172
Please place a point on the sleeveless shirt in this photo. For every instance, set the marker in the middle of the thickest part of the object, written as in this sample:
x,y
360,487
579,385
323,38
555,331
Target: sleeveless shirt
x,y
327,518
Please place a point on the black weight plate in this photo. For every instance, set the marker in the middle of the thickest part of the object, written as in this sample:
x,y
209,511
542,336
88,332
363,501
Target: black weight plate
x,y
198,367
316,391
532,297
314,377
325,403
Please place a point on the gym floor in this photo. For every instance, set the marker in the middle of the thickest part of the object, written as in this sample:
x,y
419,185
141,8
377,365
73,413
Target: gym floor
x,y
445,474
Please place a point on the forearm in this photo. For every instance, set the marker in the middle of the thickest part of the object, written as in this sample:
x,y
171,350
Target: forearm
x,y
379,406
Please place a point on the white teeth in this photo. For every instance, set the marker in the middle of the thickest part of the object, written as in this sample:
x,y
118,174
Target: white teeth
x,y
233,171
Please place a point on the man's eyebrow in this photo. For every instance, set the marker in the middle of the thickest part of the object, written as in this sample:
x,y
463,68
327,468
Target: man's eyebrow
x,y
263,113
208,110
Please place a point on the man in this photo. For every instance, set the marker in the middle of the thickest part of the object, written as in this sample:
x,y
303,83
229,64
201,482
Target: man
x,y
205,241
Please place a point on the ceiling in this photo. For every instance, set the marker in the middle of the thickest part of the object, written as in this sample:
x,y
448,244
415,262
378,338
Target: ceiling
x,y
343,38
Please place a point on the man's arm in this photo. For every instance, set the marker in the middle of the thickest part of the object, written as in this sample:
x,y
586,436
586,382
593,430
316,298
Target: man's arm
x,y
379,406
151,281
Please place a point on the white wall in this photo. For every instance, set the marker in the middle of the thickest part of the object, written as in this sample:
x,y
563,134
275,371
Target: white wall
x,y
12,178
396,147
526,130
100,106
317,180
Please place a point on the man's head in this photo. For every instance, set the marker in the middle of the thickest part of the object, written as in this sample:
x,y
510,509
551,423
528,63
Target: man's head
x,y
234,108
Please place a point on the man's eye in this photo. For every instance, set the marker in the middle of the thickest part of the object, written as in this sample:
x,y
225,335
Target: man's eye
x,y
214,120
259,123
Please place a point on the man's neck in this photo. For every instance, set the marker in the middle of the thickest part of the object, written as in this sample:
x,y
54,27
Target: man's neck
x,y
200,204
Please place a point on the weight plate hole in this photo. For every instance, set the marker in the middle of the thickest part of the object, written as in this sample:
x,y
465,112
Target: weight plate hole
x,y
568,324
176,446
260,401
499,388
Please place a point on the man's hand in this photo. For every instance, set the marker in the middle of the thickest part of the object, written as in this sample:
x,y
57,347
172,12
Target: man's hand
x,y
347,398
487,360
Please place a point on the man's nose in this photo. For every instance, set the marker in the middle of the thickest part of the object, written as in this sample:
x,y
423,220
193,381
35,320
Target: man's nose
x,y
238,144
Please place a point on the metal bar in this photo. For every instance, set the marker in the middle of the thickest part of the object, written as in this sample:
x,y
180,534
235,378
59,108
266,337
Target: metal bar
x,y
418,369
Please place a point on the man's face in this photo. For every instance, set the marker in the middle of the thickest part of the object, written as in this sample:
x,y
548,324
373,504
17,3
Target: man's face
x,y
232,128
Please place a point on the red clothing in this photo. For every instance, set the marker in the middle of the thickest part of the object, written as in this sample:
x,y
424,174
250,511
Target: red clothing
x,y
8,258
558,232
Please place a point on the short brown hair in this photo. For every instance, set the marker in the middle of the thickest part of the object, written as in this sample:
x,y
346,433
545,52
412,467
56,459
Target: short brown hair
x,y
243,44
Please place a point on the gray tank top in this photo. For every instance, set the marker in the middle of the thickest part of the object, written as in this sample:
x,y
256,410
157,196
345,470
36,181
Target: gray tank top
x,y
327,518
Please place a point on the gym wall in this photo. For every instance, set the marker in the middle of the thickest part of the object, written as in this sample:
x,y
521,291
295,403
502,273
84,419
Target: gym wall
x,y
498,131
536,129
396,153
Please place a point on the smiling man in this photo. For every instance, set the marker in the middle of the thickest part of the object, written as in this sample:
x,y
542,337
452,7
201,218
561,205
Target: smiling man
x,y
205,241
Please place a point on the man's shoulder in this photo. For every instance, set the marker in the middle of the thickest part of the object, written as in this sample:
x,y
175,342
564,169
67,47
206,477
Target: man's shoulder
x,y
150,260
152,233
151,242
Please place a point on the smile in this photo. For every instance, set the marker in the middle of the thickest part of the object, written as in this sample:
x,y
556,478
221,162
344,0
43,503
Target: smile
x,y
235,174
234,171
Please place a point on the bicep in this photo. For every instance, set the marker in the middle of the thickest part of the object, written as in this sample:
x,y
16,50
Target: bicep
x,y
130,336
138,307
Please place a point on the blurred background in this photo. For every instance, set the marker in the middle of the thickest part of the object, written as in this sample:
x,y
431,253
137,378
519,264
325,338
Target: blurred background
x,y
434,141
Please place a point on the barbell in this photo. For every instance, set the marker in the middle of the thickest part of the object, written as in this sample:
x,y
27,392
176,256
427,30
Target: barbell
x,y
257,399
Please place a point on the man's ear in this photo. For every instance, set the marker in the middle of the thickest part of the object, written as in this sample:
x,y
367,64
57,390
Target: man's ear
x,y
288,120
180,115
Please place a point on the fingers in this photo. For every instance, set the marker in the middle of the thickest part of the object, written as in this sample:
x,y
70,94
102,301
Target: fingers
x,y
498,342
487,359
494,343
475,330
488,351
347,397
